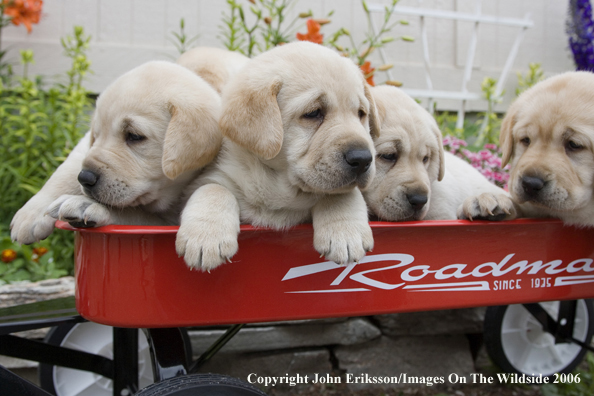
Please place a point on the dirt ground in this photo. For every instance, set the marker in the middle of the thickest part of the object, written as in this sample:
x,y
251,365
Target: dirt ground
x,y
436,390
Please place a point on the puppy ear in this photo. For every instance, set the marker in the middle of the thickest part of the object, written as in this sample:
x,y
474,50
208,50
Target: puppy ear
x,y
439,136
506,141
193,138
251,116
374,118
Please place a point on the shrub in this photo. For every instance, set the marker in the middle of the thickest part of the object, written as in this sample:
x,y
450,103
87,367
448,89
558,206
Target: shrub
x,y
39,127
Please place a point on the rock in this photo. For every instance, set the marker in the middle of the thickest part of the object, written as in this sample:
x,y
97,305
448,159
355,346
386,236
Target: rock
x,y
450,321
30,292
416,357
252,339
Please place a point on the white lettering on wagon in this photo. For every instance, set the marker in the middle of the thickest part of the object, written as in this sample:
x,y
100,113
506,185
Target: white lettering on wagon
x,y
412,275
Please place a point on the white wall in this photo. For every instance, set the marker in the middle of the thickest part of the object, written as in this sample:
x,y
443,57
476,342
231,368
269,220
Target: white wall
x,y
127,33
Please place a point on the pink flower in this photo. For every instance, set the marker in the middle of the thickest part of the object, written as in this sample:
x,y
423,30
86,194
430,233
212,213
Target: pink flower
x,y
487,161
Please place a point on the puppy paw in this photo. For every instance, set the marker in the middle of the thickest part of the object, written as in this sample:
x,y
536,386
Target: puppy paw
x,y
79,211
488,206
342,242
207,235
31,224
205,246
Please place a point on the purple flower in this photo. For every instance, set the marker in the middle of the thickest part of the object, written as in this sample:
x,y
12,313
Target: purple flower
x,y
580,29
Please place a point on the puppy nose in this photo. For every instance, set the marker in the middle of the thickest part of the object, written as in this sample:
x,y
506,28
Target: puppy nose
x,y
87,178
359,160
532,185
417,201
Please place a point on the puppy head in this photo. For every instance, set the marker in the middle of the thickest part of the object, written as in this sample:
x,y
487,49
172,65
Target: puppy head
x,y
548,137
304,109
409,158
216,66
152,128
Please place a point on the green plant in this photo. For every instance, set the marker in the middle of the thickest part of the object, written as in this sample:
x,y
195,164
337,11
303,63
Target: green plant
x,y
262,28
43,260
582,387
230,31
39,127
180,40
534,75
373,40
446,122
491,123
17,13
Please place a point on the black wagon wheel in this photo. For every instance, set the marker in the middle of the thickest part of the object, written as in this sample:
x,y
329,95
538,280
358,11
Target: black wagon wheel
x,y
202,385
517,342
97,339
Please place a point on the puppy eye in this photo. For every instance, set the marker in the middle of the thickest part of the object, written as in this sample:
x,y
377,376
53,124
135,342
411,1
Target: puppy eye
x,y
133,137
425,159
573,146
313,114
393,157
525,141
362,114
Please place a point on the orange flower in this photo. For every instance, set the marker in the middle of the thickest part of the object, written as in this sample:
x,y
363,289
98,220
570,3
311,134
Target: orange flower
x,y
26,12
38,252
368,72
313,33
8,255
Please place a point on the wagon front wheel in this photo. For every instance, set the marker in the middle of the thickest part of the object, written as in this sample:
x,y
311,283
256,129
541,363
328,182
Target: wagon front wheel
x,y
96,339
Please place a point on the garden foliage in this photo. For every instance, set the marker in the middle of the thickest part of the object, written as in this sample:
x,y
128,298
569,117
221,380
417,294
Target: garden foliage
x,y
40,124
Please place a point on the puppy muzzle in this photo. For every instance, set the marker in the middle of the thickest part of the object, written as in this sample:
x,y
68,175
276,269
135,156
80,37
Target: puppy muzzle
x,y
88,180
359,160
359,164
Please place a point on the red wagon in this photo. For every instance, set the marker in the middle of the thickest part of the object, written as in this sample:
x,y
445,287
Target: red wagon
x,y
537,277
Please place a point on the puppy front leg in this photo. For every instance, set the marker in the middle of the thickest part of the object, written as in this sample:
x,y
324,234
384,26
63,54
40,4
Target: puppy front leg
x,y
30,223
79,211
341,228
207,235
82,211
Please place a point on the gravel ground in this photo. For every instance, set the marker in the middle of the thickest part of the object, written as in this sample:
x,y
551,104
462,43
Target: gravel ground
x,y
435,390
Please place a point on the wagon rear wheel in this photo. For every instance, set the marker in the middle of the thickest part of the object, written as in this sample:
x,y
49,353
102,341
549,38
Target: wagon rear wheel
x,y
201,384
517,343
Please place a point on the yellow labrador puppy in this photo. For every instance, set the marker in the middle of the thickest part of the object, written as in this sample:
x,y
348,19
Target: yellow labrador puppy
x,y
299,121
414,178
153,129
216,66
548,137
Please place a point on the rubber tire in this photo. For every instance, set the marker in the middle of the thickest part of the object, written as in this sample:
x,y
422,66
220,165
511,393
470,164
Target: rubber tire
x,y
56,336
202,385
492,337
